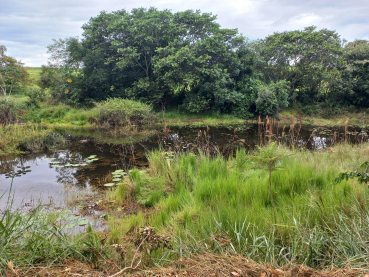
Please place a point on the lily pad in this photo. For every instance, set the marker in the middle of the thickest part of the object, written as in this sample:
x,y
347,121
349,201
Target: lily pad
x,y
109,184
83,164
75,164
55,162
66,165
117,179
91,156
82,221
70,225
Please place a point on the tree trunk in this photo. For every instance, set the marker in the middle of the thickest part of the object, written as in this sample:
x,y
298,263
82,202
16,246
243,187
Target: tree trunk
x,y
271,194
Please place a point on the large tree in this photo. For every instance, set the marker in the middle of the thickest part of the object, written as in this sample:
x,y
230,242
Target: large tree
x,y
357,57
301,57
158,56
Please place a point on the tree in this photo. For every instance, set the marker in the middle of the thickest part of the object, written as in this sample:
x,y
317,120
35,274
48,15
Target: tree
x,y
302,58
357,57
66,53
12,73
268,159
200,63
159,57
272,98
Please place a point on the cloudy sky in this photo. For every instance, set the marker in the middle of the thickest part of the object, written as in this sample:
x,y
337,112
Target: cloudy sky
x,y
28,26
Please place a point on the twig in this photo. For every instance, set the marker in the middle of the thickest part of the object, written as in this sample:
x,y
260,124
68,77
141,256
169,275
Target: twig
x,y
133,259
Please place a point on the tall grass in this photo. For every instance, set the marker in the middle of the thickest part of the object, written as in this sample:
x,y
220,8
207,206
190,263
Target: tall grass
x,y
199,198
39,238
21,138
112,112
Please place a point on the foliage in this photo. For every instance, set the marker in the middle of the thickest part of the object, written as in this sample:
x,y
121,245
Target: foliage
x,y
23,138
62,82
268,159
363,177
120,112
304,58
272,98
185,60
12,73
357,57
9,111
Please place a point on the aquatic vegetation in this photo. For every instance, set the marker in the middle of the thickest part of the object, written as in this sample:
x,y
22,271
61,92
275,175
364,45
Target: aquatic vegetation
x,y
121,112
23,138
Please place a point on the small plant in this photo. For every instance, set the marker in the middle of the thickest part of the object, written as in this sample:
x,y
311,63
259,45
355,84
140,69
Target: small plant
x,y
363,177
268,159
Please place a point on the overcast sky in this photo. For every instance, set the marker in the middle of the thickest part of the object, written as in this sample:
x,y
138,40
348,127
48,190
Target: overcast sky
x,y
28,26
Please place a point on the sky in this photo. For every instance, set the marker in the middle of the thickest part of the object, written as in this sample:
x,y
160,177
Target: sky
x,y
28,26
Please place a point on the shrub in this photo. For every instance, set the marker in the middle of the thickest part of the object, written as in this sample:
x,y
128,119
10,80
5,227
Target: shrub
x,y
9,111
121,112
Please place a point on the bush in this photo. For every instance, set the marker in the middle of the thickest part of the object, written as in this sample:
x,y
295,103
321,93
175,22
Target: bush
x,y
121,112
9,111
272,99
36,95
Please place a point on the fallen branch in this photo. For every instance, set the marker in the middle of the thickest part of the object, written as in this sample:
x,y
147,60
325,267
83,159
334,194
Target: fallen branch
x,y
133,259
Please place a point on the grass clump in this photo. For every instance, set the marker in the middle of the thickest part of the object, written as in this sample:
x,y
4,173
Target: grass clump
x,y
205,199
121,112
22,138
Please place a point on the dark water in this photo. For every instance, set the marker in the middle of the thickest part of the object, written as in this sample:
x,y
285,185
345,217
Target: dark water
x,y
50,176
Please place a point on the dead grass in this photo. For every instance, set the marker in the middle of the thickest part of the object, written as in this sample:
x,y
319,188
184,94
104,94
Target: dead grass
x,y
200,265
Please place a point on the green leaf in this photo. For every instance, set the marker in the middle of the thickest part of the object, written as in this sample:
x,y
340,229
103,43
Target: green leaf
x,y
109,184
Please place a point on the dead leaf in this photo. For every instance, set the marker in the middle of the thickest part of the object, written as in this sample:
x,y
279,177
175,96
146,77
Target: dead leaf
x,y
262,274
10,265
235,273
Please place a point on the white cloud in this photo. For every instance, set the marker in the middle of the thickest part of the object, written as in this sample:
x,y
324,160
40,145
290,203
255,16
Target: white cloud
x,y
28,26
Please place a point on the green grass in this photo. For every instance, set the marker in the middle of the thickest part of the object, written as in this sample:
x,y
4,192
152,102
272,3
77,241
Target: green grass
x,y
22,138
176,118
197,198
42,238
34,72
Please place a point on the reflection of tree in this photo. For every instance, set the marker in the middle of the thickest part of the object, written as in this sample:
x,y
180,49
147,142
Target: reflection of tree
x,y
16,166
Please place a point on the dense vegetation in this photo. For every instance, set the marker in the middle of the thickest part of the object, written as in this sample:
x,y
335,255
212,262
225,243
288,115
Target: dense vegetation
x,y
225,205
185,60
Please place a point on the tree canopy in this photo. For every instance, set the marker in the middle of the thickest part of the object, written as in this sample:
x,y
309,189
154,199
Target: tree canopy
x,y
186,60
12,73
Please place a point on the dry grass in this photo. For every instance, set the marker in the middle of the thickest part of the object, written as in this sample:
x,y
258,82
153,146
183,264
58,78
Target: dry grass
x,y
201,265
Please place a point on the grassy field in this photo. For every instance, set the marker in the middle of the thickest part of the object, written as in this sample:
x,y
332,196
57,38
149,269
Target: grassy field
x,y
34,72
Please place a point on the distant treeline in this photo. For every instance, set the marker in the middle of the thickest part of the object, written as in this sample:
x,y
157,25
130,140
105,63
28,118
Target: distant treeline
x,y
187,61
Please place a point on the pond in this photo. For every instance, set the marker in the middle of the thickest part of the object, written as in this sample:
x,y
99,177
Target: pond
x,y
89,159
